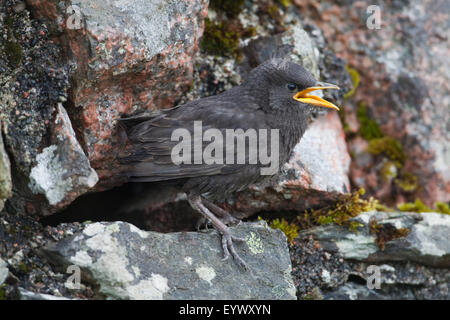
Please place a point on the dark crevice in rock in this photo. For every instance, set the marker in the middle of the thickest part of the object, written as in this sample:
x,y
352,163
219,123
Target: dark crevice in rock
x,y
356,279
144,205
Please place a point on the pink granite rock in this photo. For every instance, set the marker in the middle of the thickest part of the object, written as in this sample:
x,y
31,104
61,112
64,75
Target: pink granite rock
x,y
128,57
405,85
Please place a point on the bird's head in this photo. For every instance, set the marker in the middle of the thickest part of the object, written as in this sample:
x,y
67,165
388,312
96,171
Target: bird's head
x,y
286,85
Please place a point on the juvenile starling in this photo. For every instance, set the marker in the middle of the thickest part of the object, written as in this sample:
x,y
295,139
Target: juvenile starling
x,y
276,95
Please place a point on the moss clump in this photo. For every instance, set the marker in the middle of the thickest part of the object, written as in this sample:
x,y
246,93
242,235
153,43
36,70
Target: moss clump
x,y
12,49
388,146
2,292
222,38
273,12
416,206
354,76
419,206
407,182
314,294
349,206
442,207
231,8
385,233
284,3
289,229
388,171
368,129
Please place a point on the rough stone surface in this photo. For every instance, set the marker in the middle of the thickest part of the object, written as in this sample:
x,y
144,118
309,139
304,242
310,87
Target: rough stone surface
x,y
129,57
426,243
5,174
332,263
315,268
404,83
128,263
3,271
405,281
62,171
29,295
47,158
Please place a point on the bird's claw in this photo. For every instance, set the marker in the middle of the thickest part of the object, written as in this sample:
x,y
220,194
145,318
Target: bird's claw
x,y
227,245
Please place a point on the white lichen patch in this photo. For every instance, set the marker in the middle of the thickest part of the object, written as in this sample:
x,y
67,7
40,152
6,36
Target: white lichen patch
x,y
93,229
427,239
188,260
82,258
151,289
290,286
206,273
49,177
254,243
110,266
325,275
136,270
140,232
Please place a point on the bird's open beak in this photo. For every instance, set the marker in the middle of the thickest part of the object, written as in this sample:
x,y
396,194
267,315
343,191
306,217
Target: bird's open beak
x,y
304,97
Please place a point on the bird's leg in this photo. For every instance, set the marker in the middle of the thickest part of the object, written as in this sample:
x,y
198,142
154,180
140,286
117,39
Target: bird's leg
x,y
227,237
222,214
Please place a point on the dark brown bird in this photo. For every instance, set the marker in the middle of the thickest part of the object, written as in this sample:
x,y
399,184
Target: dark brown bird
x,y
274,96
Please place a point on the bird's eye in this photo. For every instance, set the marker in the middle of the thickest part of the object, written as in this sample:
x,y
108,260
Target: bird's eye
x,y
291,87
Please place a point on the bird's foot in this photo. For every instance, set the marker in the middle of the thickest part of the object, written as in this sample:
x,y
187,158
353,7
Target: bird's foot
x,y
221,227
227,246
222,214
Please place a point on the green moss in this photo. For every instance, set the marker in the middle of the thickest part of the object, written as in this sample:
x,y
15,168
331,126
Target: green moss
x,y
2,292
284,3
388,146
314,294
354,76
442,207
289,229
368,128
348,206
388,171
407,182
12,49
353,226
231,8
385,232
249,32
23,267
221,39
416,206
419,206
273,12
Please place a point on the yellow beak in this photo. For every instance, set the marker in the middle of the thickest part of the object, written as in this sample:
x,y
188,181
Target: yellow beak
x,y
304,97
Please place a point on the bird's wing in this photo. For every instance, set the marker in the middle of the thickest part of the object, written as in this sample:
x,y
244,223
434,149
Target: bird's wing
x,y
148,154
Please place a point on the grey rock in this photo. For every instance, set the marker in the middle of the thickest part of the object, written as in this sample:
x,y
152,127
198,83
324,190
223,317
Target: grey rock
x,y
63,171
406,281
29,295
426,243
3,271
315,269
354,291
129,263
5,174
